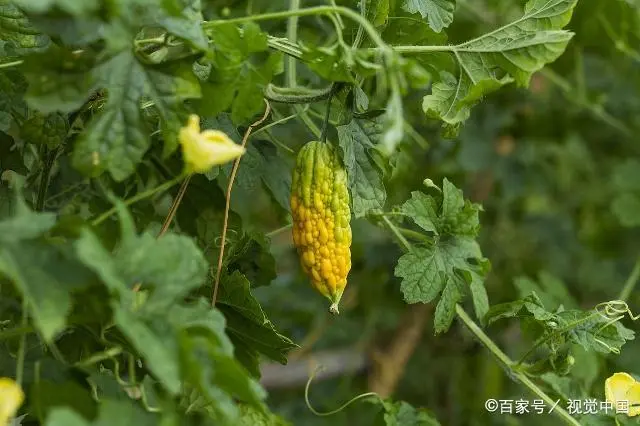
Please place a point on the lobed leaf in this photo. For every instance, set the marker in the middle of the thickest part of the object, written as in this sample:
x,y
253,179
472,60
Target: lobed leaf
x,y
510,53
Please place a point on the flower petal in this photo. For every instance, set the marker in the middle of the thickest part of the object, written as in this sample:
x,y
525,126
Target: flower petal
x,y
633,396
11,398
617,386
203,150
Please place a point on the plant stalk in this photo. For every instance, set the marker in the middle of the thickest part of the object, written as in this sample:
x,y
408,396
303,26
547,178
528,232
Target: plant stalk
x,y
138,197
486,341
631,282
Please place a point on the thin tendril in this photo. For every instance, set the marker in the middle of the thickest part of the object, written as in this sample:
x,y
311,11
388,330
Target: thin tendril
x,y
613,311
337,410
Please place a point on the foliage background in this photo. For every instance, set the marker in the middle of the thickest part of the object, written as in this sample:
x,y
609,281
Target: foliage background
x,y
555,167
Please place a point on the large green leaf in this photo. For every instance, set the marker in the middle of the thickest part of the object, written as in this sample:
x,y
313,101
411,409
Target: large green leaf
x,y
46,275
510,53
23,223
452,263
17,34
111,412
45,272
590,329
237,79
169,267
247,322
116,138
357,139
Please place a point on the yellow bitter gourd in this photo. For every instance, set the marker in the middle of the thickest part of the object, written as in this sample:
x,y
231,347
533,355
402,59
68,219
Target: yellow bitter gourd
x,y
321,216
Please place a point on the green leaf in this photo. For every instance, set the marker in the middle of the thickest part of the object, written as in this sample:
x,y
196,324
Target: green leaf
x,y
261,162
423,209
24,223
170,267
237,79
403,414
158,325
169,87
72,7
377,12
46,395
185,24
111,412
356,140
250,86
18,32
438,12
510,53
50,130
251,257
12,105
337,63
443,267
479,291
250,416
59,80
408,31
156,341
590,329
247,322
553,292
46,275
199,319
116,138
530,305
626,208
451,262
595,332
63,416
457,216
219,379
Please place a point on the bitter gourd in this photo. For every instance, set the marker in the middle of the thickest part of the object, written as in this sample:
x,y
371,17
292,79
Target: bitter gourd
x,y
321,219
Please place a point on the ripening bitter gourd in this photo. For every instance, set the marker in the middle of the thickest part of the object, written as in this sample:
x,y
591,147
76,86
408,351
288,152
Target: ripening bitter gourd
x,y
321,217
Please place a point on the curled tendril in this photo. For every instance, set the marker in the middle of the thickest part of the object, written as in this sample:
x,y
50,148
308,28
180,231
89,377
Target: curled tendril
x,y
232,234
613,311
339,409
126,385
616,308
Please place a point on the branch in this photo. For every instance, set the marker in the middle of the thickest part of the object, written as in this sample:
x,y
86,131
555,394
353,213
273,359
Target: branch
x,y
388,367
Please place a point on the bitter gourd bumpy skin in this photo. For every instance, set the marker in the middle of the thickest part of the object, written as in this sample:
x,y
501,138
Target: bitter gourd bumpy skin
x,y
321,219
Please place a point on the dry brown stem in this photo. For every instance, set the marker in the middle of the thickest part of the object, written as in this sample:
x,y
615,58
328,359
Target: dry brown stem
x,y
225,224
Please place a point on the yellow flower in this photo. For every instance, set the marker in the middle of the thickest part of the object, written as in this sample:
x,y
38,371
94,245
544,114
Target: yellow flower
x,y
203,150
11,398
623,387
